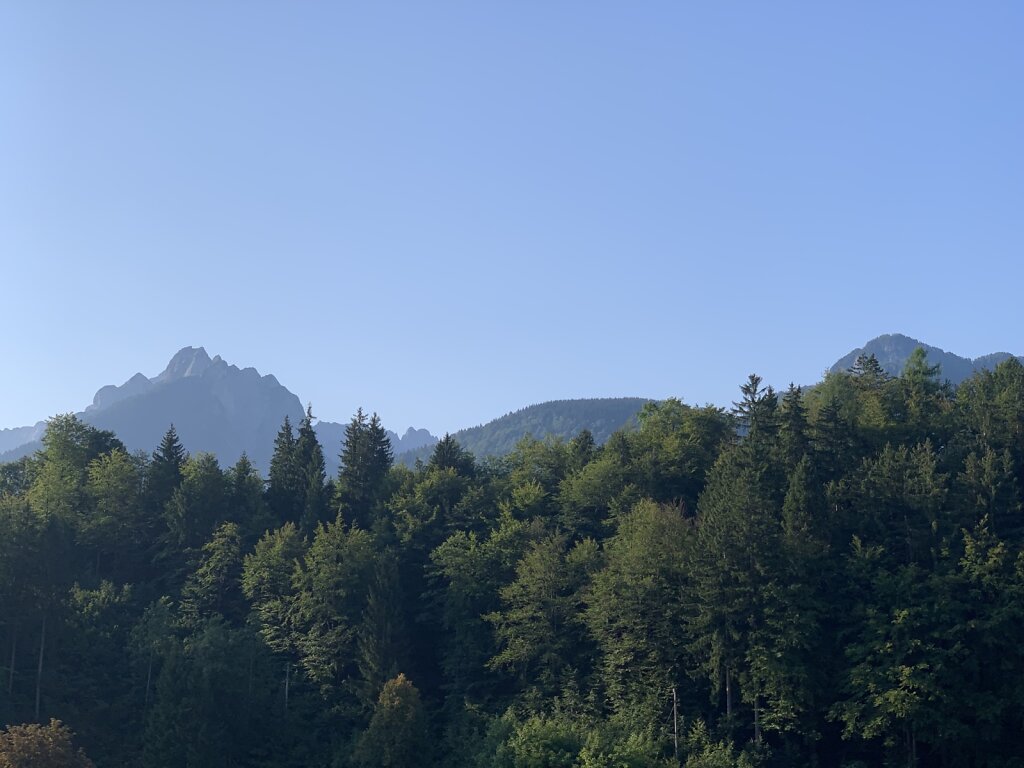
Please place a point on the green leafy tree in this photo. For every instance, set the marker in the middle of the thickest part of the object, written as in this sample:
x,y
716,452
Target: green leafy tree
x,y
540,628
926,401
268,582
468,572
246,501
636,607
40,746
21,581
197,506
152,640
89,662
214,588
331,590
397,734
676,446
115,527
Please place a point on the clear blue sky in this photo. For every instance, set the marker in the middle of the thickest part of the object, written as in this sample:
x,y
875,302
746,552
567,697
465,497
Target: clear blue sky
x,y
444,211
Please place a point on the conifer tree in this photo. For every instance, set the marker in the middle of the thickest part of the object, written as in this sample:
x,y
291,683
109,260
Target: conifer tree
x,y
165,471
309,463
366,459
794,428
757,409
448,454
285,483
246,500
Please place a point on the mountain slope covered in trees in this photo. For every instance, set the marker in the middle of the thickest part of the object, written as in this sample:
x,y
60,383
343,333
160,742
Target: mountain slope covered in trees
x,y
893,350
834,579
558,419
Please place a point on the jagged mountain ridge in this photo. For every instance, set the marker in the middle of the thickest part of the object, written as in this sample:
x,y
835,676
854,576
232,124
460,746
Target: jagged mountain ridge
x,y
893,349
214,406
223,409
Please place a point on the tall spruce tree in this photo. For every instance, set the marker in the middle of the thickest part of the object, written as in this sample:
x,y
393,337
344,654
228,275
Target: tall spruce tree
x,y
285,486
366,459
164,474
312,475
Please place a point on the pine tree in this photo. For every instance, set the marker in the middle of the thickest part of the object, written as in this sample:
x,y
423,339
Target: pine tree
x,y
756,411
309,463
734,560
165,471
285,488
794,429
366,460
868,372
448,454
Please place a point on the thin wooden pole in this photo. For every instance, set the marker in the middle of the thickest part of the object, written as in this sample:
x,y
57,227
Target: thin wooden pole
x,y
39,669
675,720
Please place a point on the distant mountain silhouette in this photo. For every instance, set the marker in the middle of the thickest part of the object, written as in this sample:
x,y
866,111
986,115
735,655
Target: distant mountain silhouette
x,y
562,419
226,410
893,350
214,407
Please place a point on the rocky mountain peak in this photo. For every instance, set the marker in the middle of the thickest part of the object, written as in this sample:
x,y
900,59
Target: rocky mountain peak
x,y
188,361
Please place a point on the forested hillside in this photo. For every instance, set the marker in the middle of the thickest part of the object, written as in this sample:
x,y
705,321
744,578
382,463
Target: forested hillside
x,y
560,419
843,585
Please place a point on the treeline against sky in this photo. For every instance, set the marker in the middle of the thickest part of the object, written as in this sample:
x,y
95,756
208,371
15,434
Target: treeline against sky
x,y
829,578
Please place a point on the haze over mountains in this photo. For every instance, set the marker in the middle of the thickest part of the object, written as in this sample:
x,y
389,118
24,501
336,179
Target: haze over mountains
x,y
223,409
214,406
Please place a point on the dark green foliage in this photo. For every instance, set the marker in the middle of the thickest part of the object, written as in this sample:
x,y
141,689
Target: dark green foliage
x,y
635,612
309,464
539,627
215,587
165,472
366,459
449,454
833,579
196,507
286,488
397,734
382,638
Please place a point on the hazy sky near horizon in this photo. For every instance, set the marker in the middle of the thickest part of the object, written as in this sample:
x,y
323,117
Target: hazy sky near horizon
x,y
445,211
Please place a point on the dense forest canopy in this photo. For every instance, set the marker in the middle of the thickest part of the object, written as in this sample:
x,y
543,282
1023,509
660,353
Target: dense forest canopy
x,y
822,578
